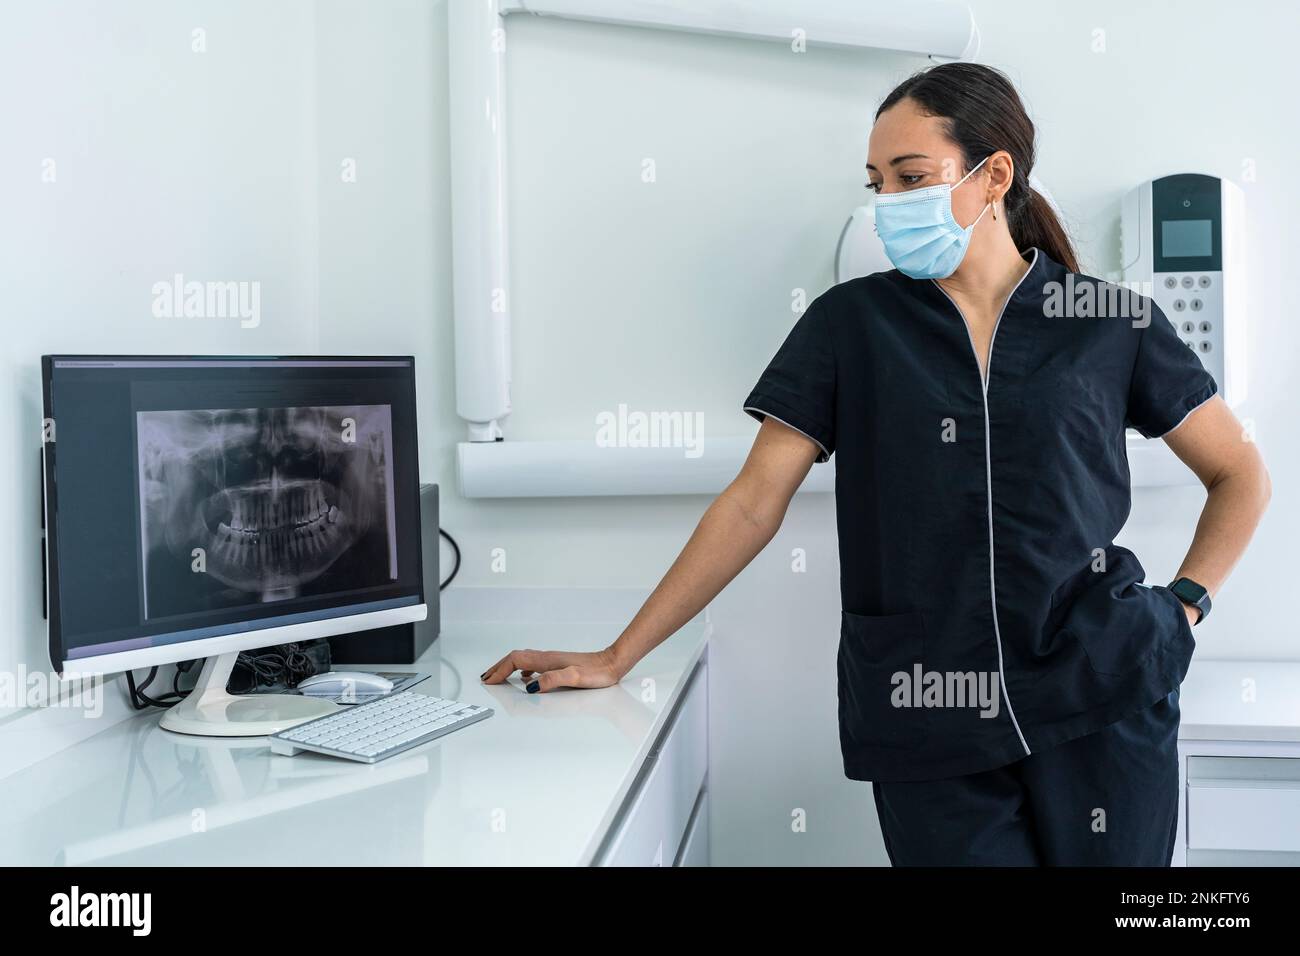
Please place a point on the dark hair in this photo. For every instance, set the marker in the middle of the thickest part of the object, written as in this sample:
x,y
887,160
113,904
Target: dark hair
x,y
983,114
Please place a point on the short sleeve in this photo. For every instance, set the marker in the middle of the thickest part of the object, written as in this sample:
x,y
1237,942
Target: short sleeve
x,y
798,386
1169,382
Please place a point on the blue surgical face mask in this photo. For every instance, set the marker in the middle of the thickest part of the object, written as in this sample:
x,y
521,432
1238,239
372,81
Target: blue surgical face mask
x,y
921,238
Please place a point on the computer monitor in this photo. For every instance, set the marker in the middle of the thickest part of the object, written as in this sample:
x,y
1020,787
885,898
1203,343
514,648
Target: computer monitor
x,y
196,507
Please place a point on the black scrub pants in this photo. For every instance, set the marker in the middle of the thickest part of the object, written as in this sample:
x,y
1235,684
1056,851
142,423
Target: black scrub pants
x,y
1106,799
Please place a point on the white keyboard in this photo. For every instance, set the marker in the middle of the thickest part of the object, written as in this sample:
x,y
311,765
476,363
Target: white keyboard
x,y
371,732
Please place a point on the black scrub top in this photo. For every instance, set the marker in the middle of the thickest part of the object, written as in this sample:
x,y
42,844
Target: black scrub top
x,y
977,520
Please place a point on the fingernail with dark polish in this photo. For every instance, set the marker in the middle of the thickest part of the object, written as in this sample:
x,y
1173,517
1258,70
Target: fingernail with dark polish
x,y
484,675
533,688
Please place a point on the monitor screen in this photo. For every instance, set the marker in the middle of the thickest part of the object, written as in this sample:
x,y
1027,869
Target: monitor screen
x,y
201,497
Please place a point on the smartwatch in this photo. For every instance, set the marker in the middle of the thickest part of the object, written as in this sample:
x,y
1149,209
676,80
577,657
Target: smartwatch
x,y
1189,592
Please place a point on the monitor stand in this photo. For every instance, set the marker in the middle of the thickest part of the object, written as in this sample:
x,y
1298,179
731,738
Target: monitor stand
x,y
209,711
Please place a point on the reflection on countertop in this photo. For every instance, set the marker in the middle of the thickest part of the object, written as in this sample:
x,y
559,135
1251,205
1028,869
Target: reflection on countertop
x,y
536,783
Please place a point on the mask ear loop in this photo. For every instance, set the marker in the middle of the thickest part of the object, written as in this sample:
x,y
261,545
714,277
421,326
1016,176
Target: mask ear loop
x,y
987,206
971,173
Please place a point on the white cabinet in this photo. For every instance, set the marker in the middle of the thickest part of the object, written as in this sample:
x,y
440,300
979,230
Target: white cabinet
x,y
662,813
1239,765
1243,810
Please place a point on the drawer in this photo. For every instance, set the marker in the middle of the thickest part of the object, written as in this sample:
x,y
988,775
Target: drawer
x,y
1241,858
695,845
1243,804
653,824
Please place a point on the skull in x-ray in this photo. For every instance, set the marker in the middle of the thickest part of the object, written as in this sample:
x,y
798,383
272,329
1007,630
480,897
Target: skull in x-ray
x,y
274,496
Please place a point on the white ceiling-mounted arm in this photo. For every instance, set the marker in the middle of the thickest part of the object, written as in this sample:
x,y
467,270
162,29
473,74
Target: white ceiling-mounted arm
x,y
480,262
940,29
928,27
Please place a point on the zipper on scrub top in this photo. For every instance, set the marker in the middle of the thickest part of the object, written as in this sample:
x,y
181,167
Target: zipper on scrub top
x,y
988,477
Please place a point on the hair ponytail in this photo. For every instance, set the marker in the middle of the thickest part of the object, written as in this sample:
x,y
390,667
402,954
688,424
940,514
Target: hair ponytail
x,y
1035,223
984,114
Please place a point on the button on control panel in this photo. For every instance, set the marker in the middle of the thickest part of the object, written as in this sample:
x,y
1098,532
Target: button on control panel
x,y
1193,302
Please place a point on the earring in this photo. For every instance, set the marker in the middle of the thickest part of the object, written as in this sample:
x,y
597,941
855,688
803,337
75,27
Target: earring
x,y
995,212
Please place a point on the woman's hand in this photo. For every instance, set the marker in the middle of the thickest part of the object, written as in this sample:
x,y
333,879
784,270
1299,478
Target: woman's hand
x,y
546,670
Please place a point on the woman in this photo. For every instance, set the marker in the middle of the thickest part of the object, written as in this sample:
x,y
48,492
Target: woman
x,y
1006,680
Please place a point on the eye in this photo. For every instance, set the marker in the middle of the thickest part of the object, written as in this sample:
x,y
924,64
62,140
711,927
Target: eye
x,y
874,187
910,180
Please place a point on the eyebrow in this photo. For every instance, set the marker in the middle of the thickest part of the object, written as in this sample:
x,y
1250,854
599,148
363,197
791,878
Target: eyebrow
x,y
900,159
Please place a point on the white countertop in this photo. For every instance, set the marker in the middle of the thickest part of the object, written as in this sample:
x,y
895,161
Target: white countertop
x,y
1240,700
536,783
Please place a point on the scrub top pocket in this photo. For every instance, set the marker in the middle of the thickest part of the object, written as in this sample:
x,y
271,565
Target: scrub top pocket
x,y
1187,641
874,650
1121,631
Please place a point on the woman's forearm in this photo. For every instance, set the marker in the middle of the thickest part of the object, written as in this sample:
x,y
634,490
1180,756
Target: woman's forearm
x,y
728,537
1232,511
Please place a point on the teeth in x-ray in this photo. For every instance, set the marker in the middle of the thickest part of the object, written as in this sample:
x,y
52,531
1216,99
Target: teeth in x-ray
x,y
273,495
274,535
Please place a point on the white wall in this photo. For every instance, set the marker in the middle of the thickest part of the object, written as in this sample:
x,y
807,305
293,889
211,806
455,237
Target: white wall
x,y
164,160
666,296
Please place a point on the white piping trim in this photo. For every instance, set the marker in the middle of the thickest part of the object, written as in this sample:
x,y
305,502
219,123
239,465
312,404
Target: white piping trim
x,y
767,414
988,476
1170,431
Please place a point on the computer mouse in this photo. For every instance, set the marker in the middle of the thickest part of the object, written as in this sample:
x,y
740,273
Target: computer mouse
x,y
345,682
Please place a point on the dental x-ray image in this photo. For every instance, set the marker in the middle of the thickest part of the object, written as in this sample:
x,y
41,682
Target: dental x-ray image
x,y
284,503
